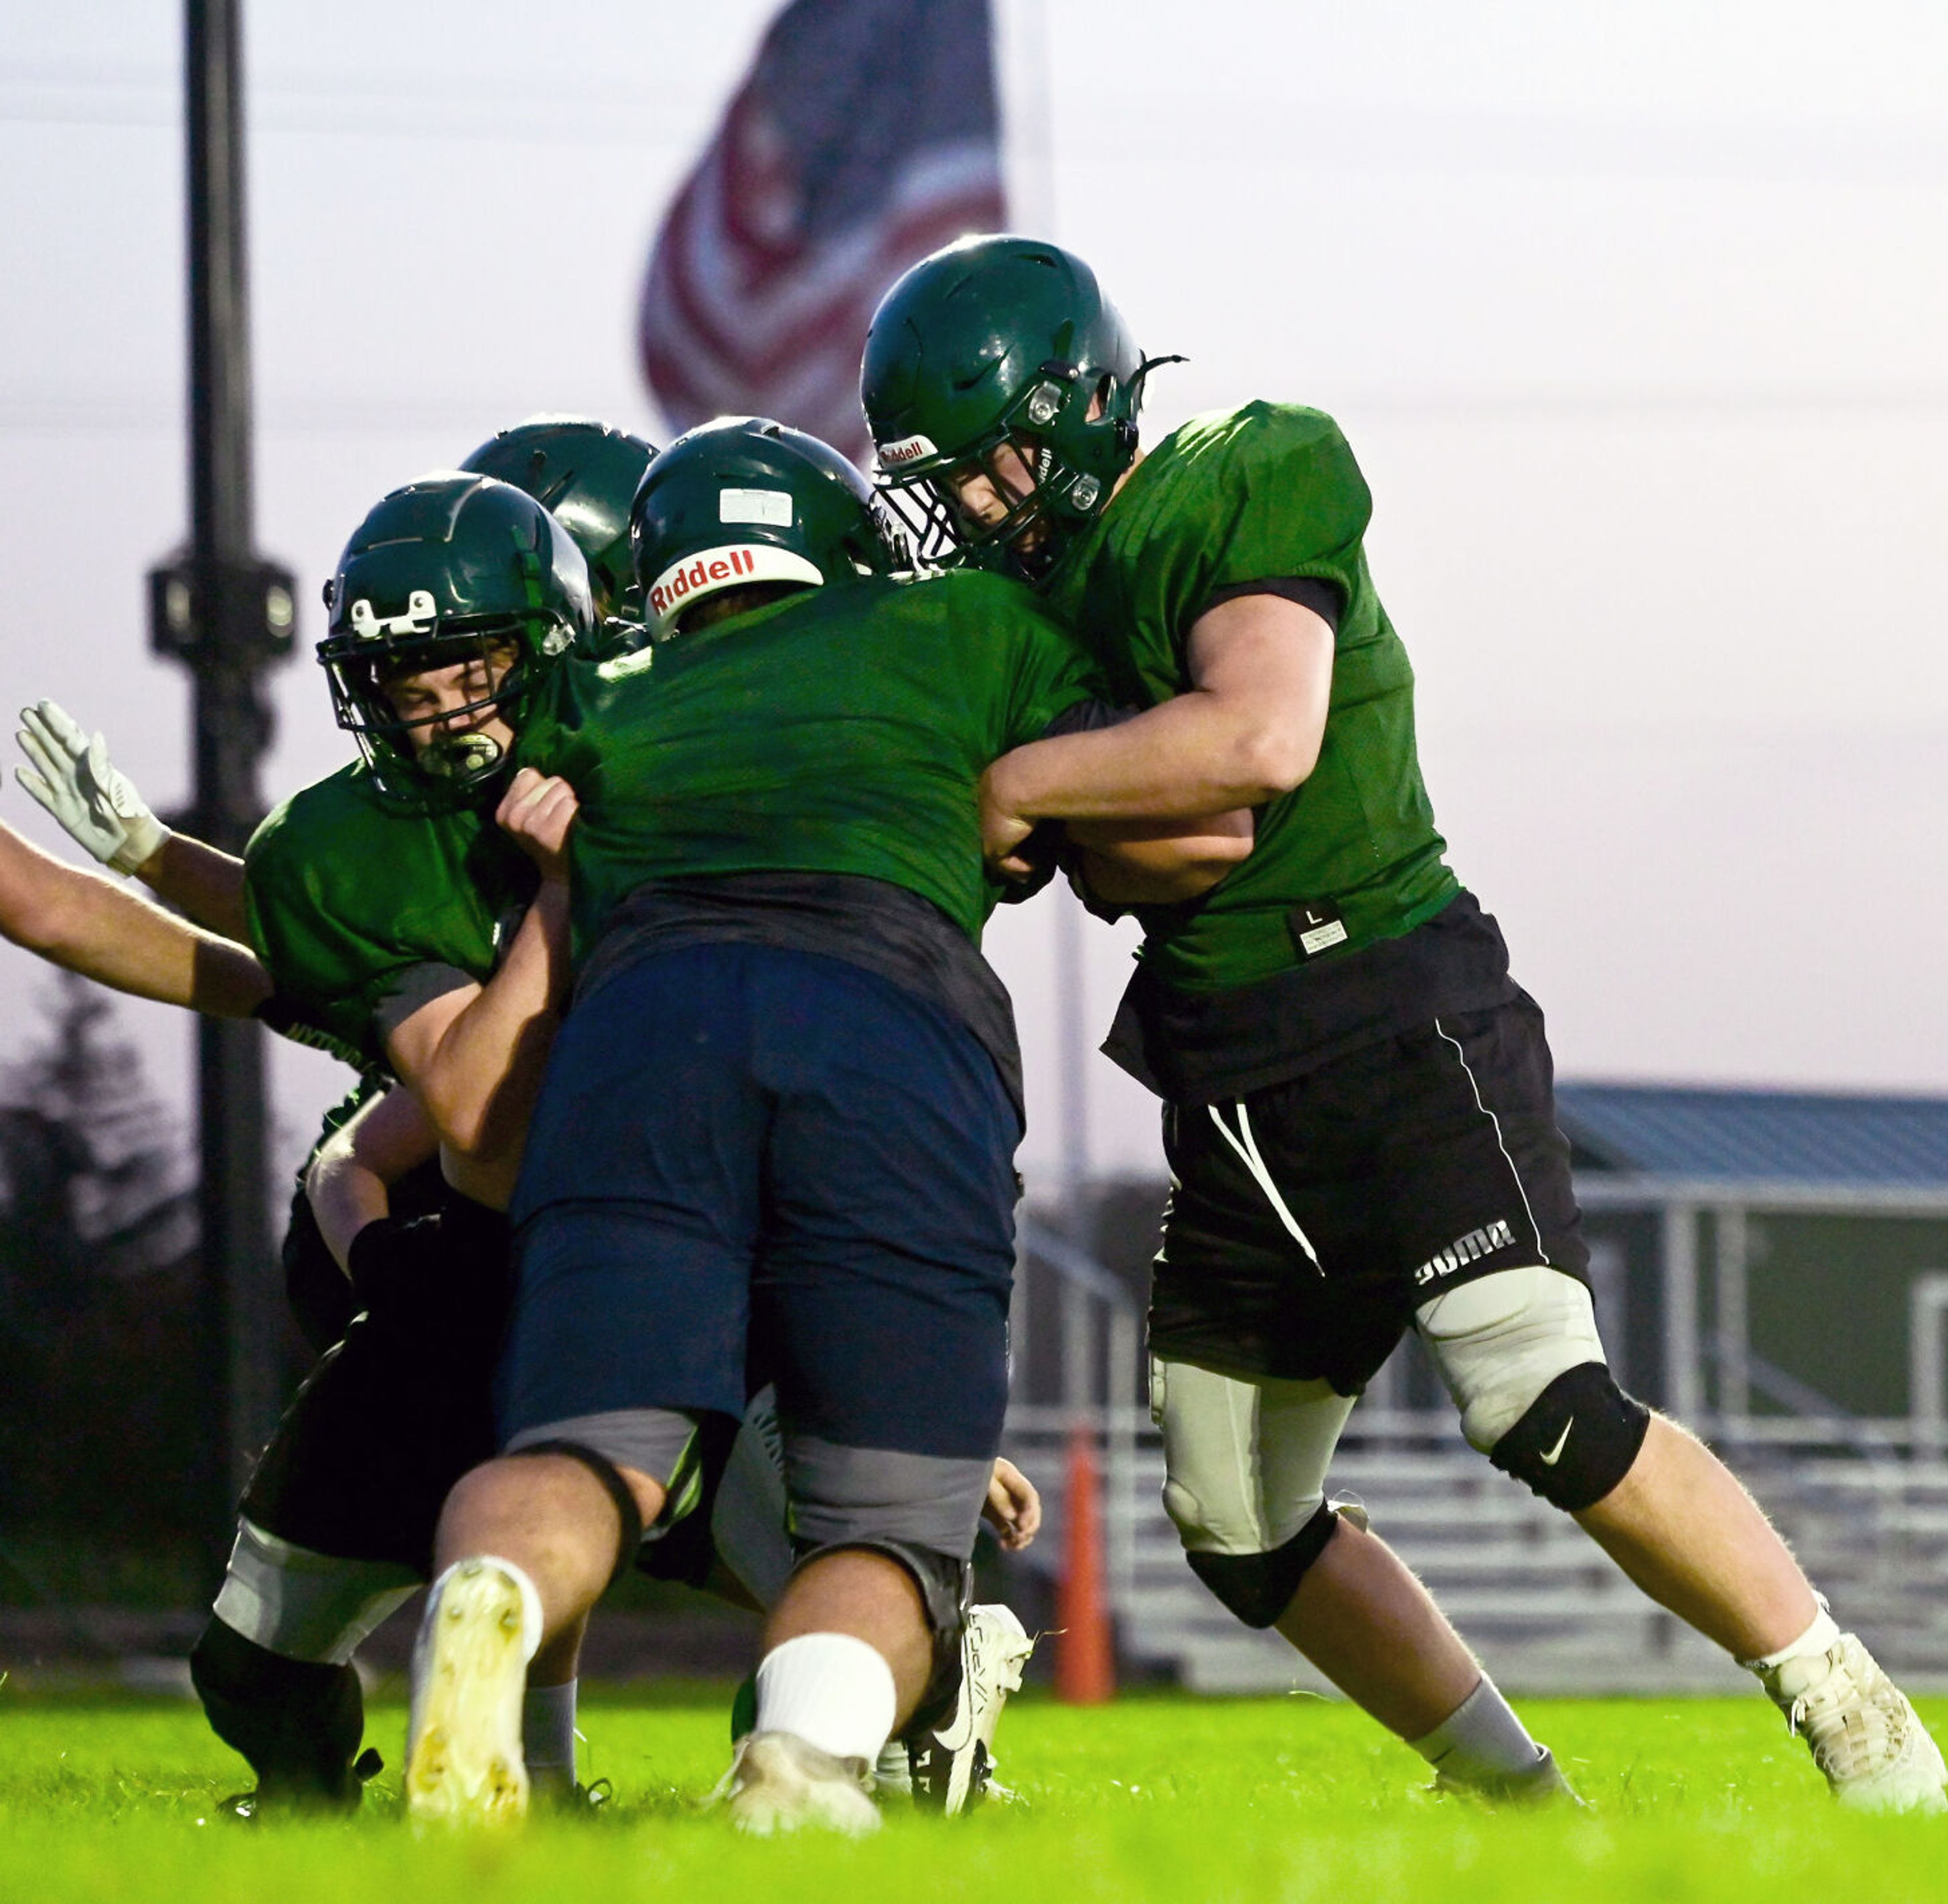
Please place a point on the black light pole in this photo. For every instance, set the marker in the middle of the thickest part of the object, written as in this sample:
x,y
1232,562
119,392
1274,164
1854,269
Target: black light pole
x,y
226,615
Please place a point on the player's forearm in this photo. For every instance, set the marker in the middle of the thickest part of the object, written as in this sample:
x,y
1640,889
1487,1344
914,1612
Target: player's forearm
x,y
1195,755
487,1179
200,880
87,922
480,1081
345,1196
1137,864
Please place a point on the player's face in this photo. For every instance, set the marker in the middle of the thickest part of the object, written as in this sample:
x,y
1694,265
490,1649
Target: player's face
x,y
985,489
436,704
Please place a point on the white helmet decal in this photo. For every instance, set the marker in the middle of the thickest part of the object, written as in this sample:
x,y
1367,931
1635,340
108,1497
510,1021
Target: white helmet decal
x,y
908,449
710,570
771,507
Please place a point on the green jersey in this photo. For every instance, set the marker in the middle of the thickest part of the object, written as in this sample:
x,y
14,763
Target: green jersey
x,y
361,913
1268,492
840,730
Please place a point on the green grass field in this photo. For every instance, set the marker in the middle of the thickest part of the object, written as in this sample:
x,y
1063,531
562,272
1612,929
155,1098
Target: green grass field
x,y
1155,1797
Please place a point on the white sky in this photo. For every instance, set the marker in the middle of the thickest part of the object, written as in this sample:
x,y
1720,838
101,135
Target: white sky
x,y
1637,316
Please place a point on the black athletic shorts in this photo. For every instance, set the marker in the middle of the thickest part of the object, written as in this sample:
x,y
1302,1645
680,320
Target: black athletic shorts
x,y
1310,1220
400,1407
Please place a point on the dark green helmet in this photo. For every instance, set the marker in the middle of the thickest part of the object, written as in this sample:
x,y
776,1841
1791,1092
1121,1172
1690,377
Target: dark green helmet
x,y
584,474
452,569
997,341
742,501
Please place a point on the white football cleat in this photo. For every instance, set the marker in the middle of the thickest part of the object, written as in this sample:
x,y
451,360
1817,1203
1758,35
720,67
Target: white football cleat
x,y
463,1761
892,1772
953,1766
1866,1737
1543,1785
780,1782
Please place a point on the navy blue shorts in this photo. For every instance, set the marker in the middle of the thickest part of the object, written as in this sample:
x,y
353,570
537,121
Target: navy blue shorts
x,y
750,1163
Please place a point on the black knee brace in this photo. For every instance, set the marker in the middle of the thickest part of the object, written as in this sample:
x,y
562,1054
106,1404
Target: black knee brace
x,y
1258,1587
630,1535
299,1724
944,1583
1578,1439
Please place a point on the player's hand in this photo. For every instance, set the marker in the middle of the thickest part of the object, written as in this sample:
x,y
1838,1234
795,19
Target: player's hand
x,y
1003,832
536,811
1013,1508
97,806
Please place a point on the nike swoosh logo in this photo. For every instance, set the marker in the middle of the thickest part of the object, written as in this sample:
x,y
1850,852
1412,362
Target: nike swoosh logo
x,y
1562,1441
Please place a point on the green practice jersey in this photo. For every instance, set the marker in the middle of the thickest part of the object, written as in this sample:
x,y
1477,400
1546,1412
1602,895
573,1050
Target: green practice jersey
x,y
1268,492
840,730
361,912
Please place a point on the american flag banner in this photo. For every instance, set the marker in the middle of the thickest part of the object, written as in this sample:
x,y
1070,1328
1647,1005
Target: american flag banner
x,y
865,135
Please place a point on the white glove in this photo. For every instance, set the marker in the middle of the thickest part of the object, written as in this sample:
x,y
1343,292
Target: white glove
x,y
97,806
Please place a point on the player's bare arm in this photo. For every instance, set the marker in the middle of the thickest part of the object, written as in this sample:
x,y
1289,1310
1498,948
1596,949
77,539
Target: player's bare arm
x,y
350,1178
200,880
1248,729
1160,862
84,921
98,807
473,1057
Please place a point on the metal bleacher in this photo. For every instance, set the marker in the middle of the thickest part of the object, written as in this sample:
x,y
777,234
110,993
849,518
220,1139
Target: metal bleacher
x,y
1864,1501
1544,1607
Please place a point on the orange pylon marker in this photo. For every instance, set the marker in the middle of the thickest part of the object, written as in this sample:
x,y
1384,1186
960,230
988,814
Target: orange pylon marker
x,y
1085,1668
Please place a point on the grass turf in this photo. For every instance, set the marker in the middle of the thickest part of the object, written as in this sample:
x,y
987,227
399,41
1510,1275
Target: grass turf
x,y
1154,1798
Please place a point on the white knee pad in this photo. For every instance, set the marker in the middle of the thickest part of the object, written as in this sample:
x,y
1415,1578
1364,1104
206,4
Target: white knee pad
x,y
305,1605
1500,1341
1246,1456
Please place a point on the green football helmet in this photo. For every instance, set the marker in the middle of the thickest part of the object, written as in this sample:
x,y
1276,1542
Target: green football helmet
x,y
452,569
742,501
584,474
995,341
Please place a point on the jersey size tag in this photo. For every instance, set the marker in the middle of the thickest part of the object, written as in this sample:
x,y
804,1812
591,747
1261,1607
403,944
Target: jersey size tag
x,y
1316,926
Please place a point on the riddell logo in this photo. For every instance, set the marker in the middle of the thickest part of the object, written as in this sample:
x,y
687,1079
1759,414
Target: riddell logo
x,y
908,449
676,584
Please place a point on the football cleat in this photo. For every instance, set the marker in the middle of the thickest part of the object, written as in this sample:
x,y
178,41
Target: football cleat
x,y
779,1782
1866,1739
557,1792
1543,1785
275,1798
463,1762
952,1767
892,1773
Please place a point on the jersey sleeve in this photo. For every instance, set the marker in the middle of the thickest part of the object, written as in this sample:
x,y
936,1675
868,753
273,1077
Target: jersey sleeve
x,y
1259,500
332,972
1292,505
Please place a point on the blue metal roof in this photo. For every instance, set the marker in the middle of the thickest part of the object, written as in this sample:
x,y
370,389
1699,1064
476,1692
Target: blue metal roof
x,y
1774,1137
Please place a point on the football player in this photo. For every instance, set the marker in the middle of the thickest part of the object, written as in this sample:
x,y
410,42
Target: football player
x,y
1359,1112
382,900
330,1508
778,1125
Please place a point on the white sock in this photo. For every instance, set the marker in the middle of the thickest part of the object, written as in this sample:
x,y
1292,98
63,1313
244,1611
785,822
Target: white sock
x,y
1820,1637
1481,1741
548,1730
832,1690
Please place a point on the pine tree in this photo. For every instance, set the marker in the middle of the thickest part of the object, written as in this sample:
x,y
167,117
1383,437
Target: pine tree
x,y
98,1398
